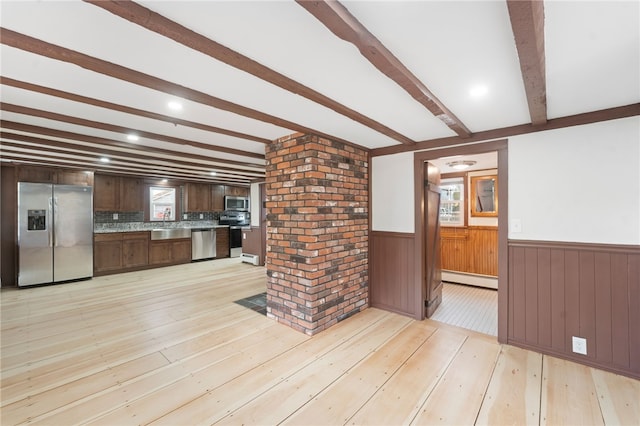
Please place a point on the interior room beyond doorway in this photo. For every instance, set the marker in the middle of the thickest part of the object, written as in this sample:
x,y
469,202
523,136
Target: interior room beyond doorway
x,y
469,241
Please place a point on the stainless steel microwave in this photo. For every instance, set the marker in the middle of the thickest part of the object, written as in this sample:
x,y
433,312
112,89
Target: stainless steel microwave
x,y
236,203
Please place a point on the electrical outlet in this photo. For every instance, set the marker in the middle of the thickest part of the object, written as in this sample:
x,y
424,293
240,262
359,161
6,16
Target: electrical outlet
x,y
184,216
115,216
201,216
579,345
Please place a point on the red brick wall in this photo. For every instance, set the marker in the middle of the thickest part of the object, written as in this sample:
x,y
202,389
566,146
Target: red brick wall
x,y
317,224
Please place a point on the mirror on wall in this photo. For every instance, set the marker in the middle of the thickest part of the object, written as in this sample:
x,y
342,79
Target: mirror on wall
x,y
484,196
162,204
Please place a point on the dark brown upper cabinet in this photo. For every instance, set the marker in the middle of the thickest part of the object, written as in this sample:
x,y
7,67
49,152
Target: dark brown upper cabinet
x,y
197,197
118,193
217,197
236,191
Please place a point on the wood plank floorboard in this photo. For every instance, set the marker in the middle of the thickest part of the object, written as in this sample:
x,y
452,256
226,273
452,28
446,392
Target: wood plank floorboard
x,y
168,346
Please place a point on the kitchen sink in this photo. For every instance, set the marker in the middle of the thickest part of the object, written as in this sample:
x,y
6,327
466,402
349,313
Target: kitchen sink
x,y
170,233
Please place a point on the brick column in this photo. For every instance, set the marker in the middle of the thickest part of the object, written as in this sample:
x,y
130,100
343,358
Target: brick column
x,y
317,225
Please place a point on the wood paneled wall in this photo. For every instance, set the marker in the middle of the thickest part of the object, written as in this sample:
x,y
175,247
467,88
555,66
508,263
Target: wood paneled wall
x,y
472,249
560,290
8,224
391,282
252,242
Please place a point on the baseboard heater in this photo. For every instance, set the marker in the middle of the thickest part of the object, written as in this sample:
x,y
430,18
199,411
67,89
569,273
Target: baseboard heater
x,y
253,259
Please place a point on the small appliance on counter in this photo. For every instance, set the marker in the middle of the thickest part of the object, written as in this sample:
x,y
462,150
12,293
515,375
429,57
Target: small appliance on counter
x,y
55,233
236,220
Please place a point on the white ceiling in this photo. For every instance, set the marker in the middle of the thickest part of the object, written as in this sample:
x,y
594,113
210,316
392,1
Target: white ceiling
x,y
591,56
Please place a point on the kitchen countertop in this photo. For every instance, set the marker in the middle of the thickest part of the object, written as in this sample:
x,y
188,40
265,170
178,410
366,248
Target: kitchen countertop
x,y
106,228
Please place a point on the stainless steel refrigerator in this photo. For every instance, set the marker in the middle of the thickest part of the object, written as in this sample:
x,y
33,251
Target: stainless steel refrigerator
x,y
55,233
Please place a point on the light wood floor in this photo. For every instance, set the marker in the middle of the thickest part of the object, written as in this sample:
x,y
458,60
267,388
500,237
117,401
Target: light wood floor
x,y
170,347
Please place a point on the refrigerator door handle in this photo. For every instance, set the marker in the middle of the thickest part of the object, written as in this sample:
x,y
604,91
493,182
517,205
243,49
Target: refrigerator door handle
x,y
55,220
50,222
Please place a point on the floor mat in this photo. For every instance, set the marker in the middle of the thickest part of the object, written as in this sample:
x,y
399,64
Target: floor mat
x,y
256,303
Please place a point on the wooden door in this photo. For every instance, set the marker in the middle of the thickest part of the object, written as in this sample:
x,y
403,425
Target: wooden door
x,y
433,271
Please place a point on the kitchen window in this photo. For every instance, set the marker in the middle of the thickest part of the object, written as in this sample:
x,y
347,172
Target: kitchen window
x,y
162,204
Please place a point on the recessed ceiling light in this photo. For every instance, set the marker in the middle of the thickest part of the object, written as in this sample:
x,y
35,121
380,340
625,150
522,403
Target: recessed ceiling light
x,y
213,173
132,137
478,91
460,164
174,106
164,181
104,160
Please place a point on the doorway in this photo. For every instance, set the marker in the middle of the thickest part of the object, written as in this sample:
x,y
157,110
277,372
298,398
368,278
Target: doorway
x,y
420,239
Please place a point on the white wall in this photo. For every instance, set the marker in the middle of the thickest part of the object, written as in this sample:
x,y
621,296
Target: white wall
x,y
579,184
392,199
254,204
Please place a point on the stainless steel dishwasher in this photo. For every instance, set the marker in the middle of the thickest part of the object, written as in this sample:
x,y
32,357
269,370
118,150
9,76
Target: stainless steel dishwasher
x,y
203,243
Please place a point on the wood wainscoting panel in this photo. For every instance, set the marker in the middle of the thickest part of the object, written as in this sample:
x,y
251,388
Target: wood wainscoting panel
x,y
391,280
471,249
560,290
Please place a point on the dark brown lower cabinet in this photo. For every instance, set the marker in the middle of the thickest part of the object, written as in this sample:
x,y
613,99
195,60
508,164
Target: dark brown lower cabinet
x,y
130,251
170,252
222,242
120,252
135,249
107,253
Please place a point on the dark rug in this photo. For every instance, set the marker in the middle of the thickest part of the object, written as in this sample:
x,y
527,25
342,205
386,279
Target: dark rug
x,y
256,303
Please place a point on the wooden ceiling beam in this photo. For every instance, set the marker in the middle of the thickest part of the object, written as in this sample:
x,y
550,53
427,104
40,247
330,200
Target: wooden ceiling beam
x,y
124,130
70,164
28,128
39,47
343,24
527,22
60,156
126,109
521,129
159,24
46,145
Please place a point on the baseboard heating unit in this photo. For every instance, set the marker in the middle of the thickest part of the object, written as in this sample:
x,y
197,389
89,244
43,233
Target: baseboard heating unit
x,y
253,259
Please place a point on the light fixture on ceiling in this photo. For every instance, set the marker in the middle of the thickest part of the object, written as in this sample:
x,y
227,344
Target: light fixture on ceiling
x,y
478,91
174,105
132,137
461,164
164,180
104,160
213,173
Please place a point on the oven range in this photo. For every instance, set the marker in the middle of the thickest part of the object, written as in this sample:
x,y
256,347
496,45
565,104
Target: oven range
x,y
236,220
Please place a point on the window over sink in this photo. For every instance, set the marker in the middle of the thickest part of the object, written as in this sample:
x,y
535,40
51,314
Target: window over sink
x,y
162,204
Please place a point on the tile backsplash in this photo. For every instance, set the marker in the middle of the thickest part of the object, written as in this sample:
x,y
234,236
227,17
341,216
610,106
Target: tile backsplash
x,y
122,217
126,217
